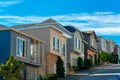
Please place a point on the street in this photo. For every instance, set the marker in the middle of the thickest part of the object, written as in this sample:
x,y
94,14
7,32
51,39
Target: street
x,y
108,72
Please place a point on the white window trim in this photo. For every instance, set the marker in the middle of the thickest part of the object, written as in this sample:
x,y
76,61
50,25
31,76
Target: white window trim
x,y
17,47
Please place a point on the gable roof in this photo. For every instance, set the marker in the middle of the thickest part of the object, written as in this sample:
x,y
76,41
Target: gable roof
x,y
70,28
49,22
23,26
52,22
2,26
102,38
92,32
73,29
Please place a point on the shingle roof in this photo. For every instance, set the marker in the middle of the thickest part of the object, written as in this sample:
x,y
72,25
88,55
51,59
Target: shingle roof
x,y
70,28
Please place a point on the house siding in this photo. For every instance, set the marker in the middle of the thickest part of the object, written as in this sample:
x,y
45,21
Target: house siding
x,y
43,34
90,50
5,45
101,44
47,35
72,51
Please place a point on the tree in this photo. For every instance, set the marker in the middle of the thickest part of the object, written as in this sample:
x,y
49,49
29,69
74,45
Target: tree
x,y
60,68
114,58
109,58
12,69
88,63
79,62
96,59
103,56
99,58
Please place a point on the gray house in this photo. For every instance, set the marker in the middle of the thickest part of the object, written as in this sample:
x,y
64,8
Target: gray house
x,y
75,46
90,49
24,48
55,36
101,44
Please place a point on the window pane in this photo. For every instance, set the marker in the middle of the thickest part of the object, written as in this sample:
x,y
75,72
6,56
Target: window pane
x,y
76,42
79,44
63,49
53,43
21,47
92,43
56,44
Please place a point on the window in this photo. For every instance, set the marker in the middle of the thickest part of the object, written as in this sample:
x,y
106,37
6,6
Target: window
x,y
33,51
77,43
63,49
92,42
55,44
21,47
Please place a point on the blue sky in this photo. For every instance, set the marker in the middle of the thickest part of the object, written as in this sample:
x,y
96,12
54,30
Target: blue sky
x,y
103,16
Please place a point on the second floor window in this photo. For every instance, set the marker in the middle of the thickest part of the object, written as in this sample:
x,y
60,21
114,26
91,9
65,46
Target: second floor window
x,y
77,43
33,52
63,49
92,42
55,44
21,47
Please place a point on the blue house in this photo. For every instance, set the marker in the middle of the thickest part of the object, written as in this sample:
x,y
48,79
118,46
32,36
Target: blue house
x,y
24,48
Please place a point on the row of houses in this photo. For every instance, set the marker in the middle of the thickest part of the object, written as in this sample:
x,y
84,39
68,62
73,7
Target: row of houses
x,y
38,46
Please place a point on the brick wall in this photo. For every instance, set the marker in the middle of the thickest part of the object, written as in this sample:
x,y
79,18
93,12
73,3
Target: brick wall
x,y
51,62
31,73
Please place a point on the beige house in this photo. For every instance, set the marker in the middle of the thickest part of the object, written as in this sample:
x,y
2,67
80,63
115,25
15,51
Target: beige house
x,y
55,37
75,47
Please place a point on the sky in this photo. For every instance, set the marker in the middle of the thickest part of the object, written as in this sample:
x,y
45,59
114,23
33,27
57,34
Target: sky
x,y
103,16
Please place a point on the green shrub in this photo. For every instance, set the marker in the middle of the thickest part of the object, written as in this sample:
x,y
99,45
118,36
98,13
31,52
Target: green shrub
x,y
79,63
103,56
60,68
12,69
48,77
74,68
88,63
114,58
96,60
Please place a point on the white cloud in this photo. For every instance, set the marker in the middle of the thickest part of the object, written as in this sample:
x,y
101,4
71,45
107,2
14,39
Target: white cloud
x,y
104,23
9,2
